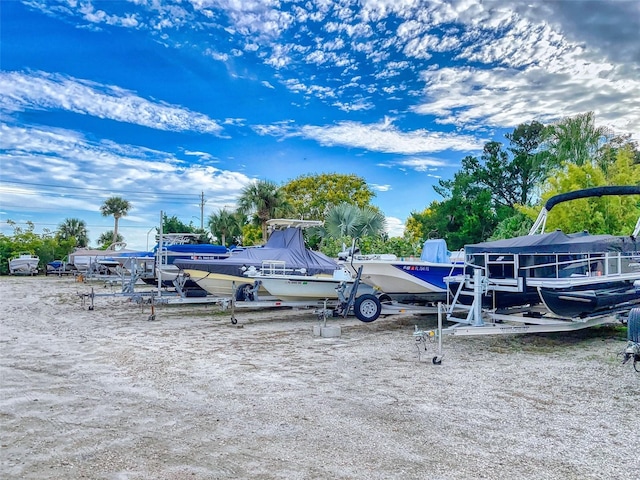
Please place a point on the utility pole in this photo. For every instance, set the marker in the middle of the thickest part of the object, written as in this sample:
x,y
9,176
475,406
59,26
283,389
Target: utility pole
x,y
202,211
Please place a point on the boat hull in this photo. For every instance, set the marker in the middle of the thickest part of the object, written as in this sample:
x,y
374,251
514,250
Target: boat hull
x,y
24,265
219,284
407,281
585,300
301,288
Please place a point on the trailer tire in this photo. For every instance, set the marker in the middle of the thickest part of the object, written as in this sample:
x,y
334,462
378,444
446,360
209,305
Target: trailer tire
x,y
384,298
633,325
367,308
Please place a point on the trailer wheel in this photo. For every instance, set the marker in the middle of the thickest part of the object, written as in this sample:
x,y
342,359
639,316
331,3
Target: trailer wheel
x,y
384,298
243,293
633,325
367,308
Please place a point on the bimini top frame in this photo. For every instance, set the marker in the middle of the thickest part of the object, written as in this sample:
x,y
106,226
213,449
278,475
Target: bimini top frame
x,y
541,221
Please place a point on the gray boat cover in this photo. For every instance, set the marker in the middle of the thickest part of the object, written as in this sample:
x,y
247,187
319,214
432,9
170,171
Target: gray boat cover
x,y
284,245
557,242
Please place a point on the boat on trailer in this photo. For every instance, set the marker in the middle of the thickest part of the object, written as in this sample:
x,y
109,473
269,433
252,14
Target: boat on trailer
x,y
180,246
546,278
410,280
222,277
291,285
24,263
543,283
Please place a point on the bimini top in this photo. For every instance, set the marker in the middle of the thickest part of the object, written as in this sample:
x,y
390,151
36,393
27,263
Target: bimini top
x,y
557,242
539,224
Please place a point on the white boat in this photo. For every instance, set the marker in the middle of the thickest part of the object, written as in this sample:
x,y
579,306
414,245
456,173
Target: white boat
x,y
220,276
410,280
24,264
289,286
98,260
224,285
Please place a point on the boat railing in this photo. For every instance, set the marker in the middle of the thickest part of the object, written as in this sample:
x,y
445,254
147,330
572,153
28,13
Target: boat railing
x,y
607,264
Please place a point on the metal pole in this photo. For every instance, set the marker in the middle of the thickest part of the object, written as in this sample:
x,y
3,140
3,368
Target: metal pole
x,y
159,257
202,212
440,329
477,297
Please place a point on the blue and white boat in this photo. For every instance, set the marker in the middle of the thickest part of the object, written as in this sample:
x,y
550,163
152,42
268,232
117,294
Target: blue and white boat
x,y
410,280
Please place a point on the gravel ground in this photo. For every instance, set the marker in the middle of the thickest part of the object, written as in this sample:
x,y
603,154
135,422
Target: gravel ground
x,y
107,394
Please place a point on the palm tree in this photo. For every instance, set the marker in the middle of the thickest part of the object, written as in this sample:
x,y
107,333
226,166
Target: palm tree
x,y
118,207
223,225
371,222
342,220
265,200
576,139
74,228
346,220
107,238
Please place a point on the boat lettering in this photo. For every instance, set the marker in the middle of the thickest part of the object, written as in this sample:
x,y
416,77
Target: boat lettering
x,y
419,268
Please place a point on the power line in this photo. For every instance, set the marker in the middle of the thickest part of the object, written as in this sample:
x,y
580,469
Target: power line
x,y
16,182
45,224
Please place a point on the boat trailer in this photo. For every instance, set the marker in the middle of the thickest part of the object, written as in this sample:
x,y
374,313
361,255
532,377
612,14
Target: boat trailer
x,y
480,321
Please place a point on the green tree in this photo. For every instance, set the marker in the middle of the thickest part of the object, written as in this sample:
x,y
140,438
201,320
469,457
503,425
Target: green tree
x,y
45,246
173,224
512,178
76,229
312,196
420,226
516,225
608,153
226,226
614,215
251,234
346,220
576,139
118,207
107,238
264,200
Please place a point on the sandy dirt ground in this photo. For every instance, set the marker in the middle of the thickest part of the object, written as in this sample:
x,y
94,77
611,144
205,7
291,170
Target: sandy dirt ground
x,y
108,394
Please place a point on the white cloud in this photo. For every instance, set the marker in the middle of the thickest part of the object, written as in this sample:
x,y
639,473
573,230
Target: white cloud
x,y
394,227
422,164
506,97
222,57
384,137
66,158
380,188
40,91
359,104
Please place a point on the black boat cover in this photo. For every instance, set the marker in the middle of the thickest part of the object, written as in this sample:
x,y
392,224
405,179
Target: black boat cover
x,y
284,245
557,242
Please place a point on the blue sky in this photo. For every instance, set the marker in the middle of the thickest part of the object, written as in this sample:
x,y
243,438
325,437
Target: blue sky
x,y
160,101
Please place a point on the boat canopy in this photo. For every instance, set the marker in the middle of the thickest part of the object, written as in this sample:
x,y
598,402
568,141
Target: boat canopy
x,y
556,242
